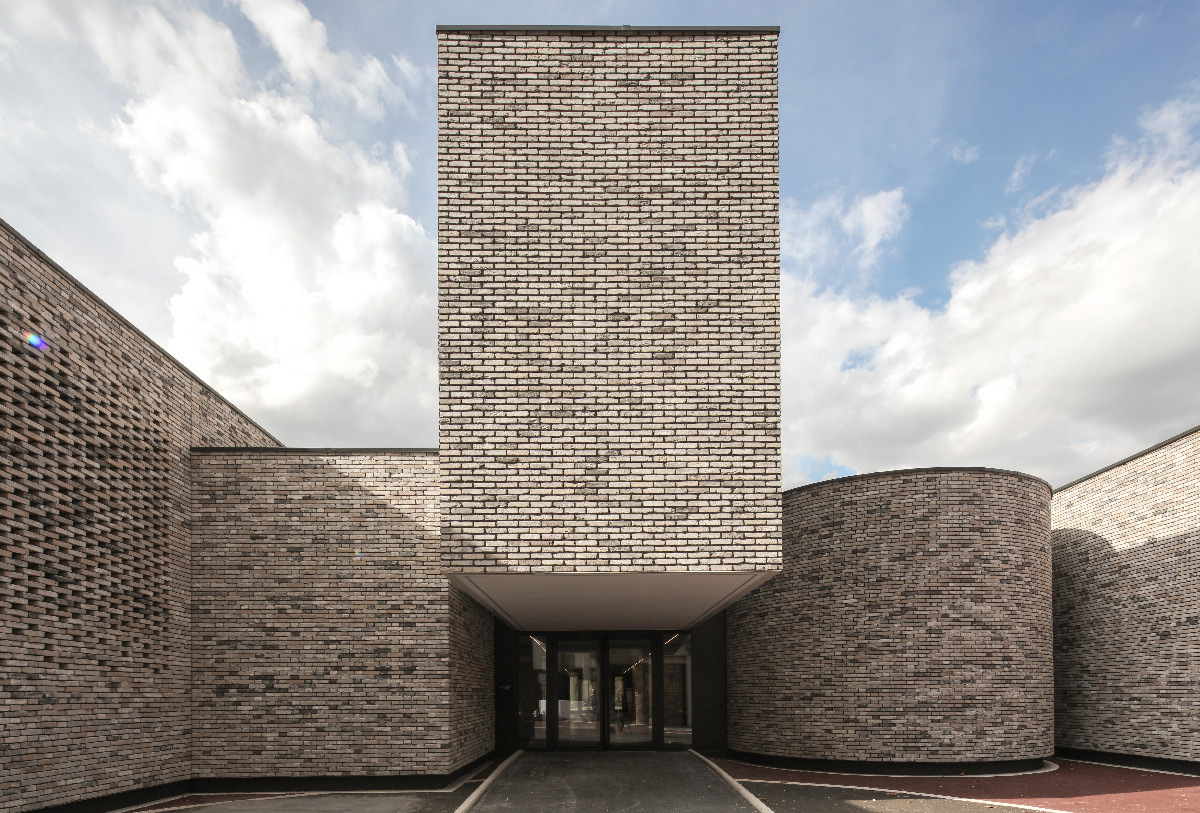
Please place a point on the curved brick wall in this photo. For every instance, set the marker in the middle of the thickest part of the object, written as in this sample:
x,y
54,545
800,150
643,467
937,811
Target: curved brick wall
x,y
911,623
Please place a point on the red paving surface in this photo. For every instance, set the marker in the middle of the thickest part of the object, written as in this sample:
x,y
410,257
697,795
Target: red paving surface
x,y
1076,787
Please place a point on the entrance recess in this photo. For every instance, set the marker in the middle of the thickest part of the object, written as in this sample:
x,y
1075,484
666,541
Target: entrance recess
x,y
605,690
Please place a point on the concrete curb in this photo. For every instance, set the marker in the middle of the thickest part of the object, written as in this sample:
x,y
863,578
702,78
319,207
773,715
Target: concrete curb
x,y
754,801
474,798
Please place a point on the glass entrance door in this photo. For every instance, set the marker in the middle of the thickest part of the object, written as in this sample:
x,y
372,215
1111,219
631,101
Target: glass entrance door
x,y
630,692
603,690
578,697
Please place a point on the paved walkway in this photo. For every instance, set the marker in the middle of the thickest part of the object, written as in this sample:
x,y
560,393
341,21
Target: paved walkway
x,y
674,782
446,800
608,782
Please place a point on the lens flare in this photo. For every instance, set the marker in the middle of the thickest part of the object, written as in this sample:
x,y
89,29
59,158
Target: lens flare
x,y
358,552
34,340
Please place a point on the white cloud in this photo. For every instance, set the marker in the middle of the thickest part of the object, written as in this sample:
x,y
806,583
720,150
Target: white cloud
x,y
1020,174
872,220
310,295
302,44
1071,343
964,153
832,236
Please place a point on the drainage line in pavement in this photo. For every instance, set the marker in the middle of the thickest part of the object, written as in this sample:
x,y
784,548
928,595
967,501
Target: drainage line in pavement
x,y
754,801
474,798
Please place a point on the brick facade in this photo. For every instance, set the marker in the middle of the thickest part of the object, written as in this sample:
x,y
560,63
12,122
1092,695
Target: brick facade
x,y
472,690
609,335
326,640
1126,547
911,623
608,249
94,500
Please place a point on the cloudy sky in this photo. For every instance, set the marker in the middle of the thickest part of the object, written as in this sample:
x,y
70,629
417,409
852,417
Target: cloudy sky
x,y
990,211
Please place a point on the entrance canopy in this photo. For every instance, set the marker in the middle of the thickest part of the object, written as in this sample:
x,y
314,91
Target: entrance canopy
x,y
611,601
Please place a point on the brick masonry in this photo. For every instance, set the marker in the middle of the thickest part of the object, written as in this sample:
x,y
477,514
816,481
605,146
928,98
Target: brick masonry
x,y
608,248
95,662
326,639
911,623
472,690
1126,547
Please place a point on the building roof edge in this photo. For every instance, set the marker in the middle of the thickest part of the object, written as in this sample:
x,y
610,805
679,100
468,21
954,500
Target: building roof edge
x,y
920,470
1131,458
44,257
316,450
616,29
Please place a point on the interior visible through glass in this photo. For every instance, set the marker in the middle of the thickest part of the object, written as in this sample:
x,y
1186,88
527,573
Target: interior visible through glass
x,y
630,689
531,693
578,687
588,690
677,689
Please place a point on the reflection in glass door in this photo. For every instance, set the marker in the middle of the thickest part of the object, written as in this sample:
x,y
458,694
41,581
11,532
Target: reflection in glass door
x,y
630,692
578,683
531,692
677,690
603,690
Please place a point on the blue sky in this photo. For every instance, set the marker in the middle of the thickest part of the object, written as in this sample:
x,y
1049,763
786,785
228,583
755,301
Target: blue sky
x,y
988,209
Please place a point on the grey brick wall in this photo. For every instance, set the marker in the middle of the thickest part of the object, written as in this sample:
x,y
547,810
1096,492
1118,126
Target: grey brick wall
x,y
472,688
326,640
608,245
1127,606
911,623
94,498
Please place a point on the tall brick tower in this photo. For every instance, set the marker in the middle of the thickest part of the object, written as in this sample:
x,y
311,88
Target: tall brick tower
x,y
608,238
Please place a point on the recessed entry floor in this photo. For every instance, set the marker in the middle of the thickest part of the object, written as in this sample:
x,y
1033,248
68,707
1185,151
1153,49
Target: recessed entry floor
x,y
610,782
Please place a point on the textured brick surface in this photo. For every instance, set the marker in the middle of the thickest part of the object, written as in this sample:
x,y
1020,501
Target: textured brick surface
x,y
94,491
911,623
608,248
1127,606
472,689
325,638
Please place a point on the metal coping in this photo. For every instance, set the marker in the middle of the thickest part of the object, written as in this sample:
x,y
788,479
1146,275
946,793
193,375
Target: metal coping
x,y
1131,458
323,450
923,470
636,29
44,257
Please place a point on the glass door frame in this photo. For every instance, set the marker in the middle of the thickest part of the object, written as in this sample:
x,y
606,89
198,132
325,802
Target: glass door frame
x,y
602,639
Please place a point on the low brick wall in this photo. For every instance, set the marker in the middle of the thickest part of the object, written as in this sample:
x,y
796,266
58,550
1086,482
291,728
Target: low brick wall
x,y
325,639
1126,591
95,665
911,623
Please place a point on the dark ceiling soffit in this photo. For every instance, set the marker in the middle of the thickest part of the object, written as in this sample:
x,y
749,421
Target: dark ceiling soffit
x,y
638,29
